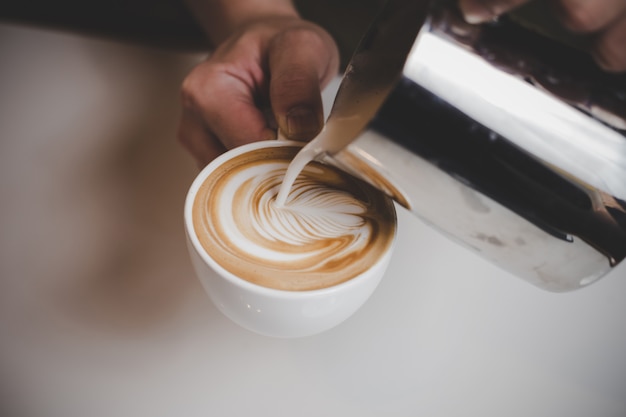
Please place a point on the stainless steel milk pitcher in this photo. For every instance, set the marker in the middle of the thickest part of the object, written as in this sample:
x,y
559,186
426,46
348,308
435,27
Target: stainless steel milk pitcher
x,y
509,141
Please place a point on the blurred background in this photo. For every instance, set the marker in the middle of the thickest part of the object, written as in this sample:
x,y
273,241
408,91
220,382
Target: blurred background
x,y
92,183
101,314
93,262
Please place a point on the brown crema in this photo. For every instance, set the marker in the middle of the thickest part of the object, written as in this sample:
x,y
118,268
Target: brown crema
x,y
332,228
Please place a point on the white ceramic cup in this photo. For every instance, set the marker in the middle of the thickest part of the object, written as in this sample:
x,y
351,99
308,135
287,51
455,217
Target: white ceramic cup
x,y
268,311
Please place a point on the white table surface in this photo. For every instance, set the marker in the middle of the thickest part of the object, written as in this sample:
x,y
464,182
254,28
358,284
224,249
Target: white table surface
x,y
445,334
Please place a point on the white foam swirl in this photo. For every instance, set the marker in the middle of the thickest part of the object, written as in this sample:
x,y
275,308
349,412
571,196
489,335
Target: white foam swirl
x,y
312,212
314,216
331,228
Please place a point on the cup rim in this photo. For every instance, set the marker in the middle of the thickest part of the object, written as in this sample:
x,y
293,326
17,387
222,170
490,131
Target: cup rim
x,y
220,270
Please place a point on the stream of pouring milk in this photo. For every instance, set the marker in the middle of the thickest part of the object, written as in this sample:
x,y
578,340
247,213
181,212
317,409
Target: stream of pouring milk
x,y
328,141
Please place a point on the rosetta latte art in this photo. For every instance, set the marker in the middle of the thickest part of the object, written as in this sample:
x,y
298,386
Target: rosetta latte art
x,y
314,212
332,227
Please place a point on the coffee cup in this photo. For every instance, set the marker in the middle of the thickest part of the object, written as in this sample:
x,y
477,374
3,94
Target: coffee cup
x,y
293,270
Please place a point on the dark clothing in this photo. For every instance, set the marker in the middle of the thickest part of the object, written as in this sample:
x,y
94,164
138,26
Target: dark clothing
x,y
169,24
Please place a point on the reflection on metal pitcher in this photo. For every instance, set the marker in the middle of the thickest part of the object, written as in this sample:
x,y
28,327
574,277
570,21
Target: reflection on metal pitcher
x,y
508,142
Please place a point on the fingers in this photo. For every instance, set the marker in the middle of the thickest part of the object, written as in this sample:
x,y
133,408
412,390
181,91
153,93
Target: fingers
x,y
589,16
301,61
480,11
610,47
606,20
219,113
603,20
231,112
282,63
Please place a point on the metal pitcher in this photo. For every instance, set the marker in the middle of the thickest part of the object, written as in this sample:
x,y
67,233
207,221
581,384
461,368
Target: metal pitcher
x,y
509,141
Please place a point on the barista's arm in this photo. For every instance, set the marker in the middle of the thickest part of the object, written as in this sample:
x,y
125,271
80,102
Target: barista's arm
x,y
267,70
604,20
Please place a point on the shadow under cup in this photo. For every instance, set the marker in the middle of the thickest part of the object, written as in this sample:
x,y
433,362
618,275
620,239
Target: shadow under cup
x,y
286,271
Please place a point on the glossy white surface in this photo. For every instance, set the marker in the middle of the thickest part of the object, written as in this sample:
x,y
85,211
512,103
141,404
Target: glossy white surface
x,y
101,315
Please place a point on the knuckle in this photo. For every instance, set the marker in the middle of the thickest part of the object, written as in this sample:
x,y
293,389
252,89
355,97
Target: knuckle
x,y
187,98
580,16
299,35
290,86
291,80
190,87
194,86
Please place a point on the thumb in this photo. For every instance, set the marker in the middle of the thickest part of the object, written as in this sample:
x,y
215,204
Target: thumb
x,y
300,60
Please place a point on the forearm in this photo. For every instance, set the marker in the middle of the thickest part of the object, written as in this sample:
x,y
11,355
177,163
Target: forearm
x,y
220,18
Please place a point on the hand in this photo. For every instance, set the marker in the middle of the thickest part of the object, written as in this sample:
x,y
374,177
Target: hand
x,y
268,74
605,20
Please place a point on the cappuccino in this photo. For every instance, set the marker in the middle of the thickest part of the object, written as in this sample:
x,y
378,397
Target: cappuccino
x,y
331,228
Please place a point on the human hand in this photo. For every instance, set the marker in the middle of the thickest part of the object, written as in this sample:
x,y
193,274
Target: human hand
x,y
604,20
268,74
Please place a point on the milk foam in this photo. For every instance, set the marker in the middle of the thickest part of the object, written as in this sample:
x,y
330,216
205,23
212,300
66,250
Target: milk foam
x,y
331,228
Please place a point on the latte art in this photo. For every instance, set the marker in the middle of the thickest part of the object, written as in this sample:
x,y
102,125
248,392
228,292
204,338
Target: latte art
x,y
314,213
331,228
